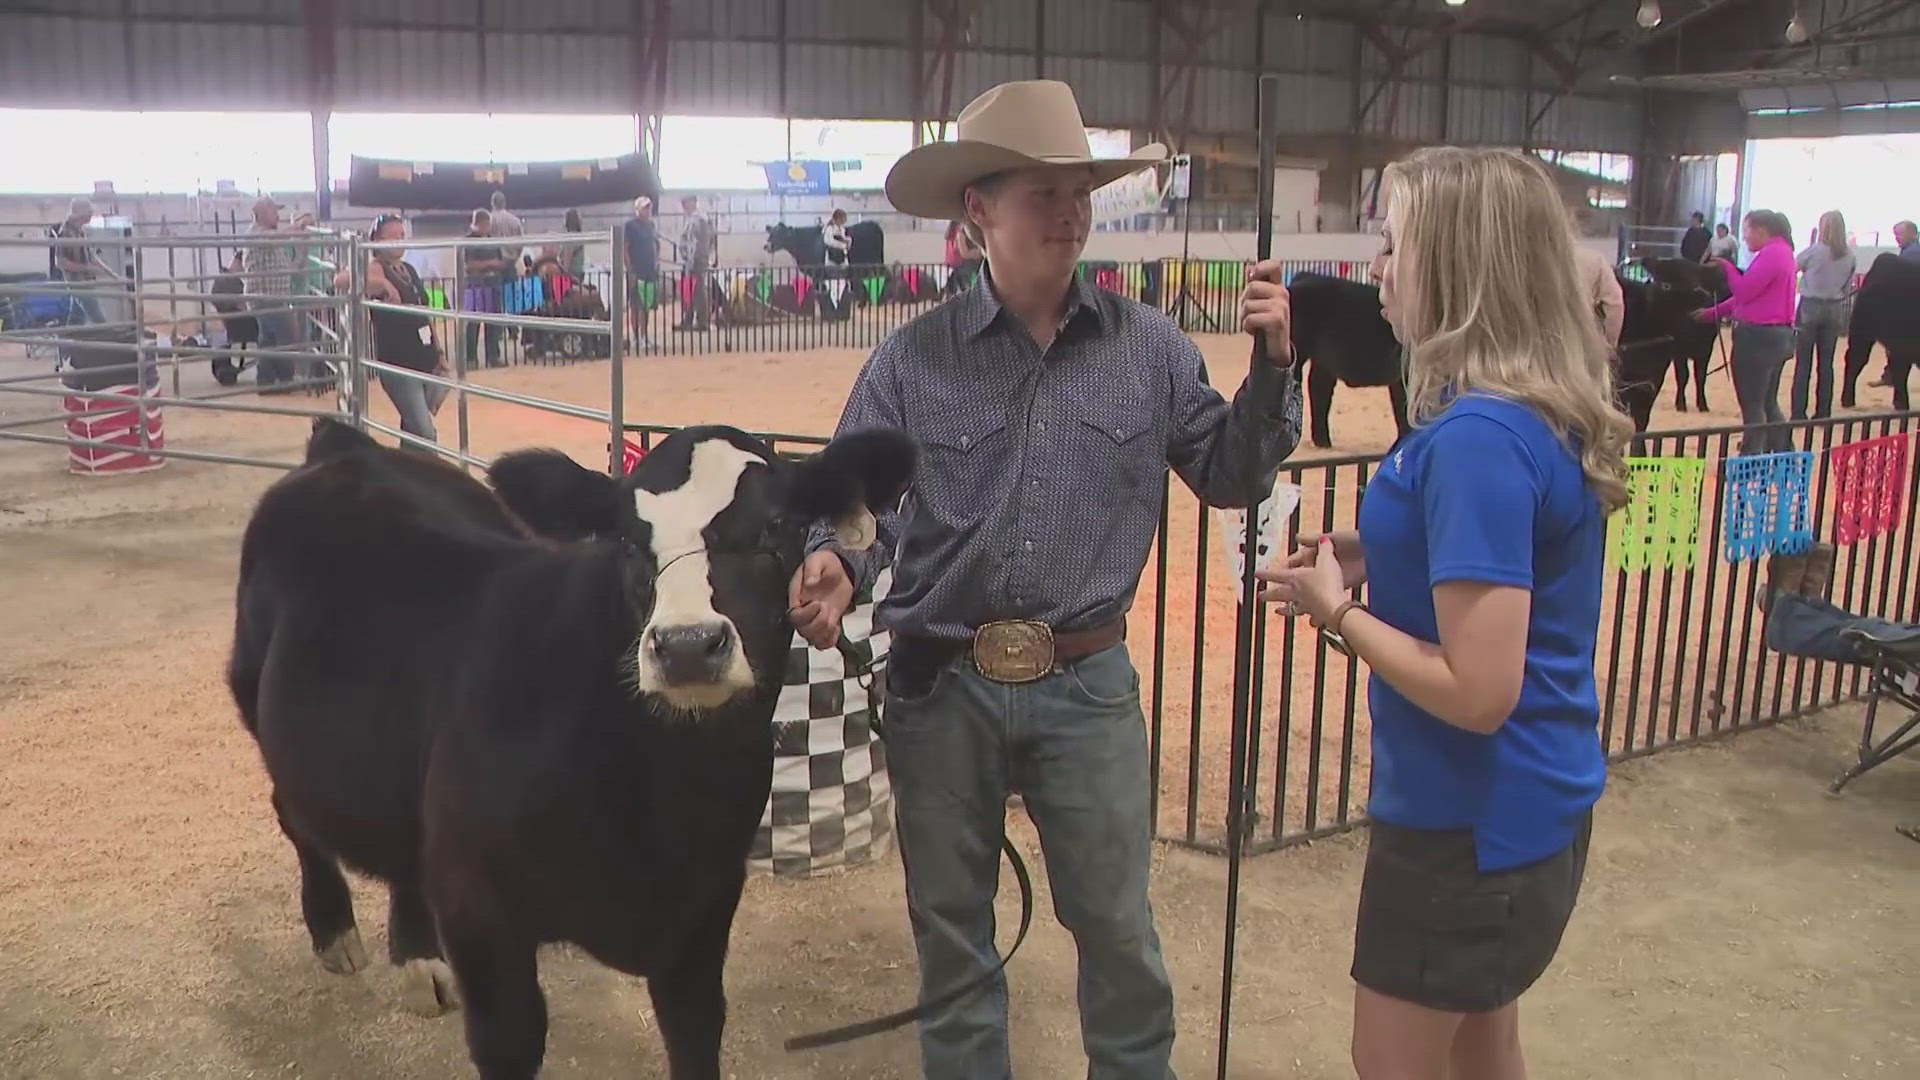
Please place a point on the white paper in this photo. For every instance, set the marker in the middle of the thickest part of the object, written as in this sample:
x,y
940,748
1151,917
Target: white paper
x,y
1275,510
426,335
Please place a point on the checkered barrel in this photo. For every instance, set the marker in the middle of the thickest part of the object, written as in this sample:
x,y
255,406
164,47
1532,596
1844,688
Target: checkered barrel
x,y
832,805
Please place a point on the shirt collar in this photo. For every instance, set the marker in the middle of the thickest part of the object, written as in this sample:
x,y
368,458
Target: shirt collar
x,y
981,308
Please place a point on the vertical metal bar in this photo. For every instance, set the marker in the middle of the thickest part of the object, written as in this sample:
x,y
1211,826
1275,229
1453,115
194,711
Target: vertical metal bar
x,y
617,355
1237,807
1716,465
1912,517
142,358
1613,660
1353,685
1156,718
355,335
173,306
456,304
1197,705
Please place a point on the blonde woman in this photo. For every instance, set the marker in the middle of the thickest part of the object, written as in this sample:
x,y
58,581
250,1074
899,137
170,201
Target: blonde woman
x,y
1826,281
1480,541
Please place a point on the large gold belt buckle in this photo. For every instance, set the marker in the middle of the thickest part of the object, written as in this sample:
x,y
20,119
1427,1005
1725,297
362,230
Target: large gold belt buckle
x,y
1014,651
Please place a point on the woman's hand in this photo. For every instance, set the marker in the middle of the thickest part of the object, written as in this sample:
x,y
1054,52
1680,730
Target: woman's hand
x,y
1316,578
1266,308
1705,315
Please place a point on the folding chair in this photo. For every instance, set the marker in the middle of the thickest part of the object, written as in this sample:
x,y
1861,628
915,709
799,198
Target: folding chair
x,y
1895,657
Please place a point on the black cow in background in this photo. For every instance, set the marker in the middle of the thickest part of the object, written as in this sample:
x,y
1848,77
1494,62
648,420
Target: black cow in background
x,y
1659,332
1885,310
532,739
866,253
1338,329
866,244
1702,285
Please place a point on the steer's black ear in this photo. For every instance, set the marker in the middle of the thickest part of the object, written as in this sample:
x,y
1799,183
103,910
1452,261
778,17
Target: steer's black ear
x,y
331,438
555,496
857,474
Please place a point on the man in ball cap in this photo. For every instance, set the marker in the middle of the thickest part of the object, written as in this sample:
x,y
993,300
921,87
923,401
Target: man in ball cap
x,y
1047,411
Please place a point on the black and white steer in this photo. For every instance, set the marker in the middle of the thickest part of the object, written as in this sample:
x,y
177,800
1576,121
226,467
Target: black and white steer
x,y
539,713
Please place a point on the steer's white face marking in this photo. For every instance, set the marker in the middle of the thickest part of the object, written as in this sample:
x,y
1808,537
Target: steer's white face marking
x,y
683,595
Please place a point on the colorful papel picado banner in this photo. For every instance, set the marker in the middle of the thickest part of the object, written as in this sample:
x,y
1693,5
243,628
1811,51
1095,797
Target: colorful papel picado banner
x,y
1660,525
1870,483
1768,510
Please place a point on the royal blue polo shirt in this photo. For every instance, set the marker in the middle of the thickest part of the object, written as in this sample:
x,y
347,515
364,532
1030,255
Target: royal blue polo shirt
x,y
1487,492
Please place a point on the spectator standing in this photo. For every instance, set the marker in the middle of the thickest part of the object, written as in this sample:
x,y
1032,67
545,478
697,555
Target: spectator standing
x,y
1723,245
401,339
1906,237
1694,243
835,237
269,277
73,259
642,237
506,223
1826,281
572,257
699,244
1609,301
963,257
486,267
1763,336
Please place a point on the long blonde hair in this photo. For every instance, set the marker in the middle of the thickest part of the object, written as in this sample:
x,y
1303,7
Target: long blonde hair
x,y
1490,299
1833,233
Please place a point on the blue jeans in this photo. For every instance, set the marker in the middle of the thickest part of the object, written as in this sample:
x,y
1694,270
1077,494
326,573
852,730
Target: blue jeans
x,y
1818,327
1760,355
416,403
279,330
1074,746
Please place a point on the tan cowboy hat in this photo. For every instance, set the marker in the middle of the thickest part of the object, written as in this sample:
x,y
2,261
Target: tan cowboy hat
x,y
1016,125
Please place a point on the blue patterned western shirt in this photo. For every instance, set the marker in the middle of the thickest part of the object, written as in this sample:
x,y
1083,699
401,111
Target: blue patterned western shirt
x,y
1039,488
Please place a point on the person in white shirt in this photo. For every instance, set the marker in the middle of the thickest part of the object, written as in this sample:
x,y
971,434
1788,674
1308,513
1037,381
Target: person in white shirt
x,y
1609,302
835,235
1724,246
1826,284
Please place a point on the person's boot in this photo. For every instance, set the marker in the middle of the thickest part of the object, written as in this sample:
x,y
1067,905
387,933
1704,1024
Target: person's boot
x,y
1784,575
1816,571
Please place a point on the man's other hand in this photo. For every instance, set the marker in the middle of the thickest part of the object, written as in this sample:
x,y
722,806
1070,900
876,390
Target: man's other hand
x,y
820,595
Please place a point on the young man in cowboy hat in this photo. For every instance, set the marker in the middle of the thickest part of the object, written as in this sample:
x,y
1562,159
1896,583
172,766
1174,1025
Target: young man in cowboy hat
x,y
1047,411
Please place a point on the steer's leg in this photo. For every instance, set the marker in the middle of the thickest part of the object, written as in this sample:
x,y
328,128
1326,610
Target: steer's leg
x,y
690,1000
413,944
499,976
324,902
1320,382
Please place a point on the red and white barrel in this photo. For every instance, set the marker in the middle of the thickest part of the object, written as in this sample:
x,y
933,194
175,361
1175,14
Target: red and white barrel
x,y
117,423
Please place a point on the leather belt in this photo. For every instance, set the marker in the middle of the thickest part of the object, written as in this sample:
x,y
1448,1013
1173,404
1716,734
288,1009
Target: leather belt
x,y
1016,651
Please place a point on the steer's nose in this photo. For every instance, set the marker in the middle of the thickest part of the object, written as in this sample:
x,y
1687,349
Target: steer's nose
x,y
696,653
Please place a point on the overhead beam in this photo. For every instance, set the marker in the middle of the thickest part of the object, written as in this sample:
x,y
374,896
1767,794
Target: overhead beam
x,y
1673,24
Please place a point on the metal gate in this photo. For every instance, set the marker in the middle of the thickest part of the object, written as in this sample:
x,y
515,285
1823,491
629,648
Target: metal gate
x,y
109,340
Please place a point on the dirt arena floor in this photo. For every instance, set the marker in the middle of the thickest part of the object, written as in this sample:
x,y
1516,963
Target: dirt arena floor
x,y
1737,923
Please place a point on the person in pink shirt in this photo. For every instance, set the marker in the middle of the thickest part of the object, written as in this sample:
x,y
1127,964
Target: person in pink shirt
x,y
1762,308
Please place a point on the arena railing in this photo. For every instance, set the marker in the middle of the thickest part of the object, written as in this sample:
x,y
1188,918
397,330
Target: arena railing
x,y
84,328
473,315
787,308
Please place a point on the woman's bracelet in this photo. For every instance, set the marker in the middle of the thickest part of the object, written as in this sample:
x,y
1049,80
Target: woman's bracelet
x,y
1330,630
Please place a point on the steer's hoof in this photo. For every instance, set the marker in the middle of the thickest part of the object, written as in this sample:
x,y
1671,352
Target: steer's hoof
x,y
344,955
426,988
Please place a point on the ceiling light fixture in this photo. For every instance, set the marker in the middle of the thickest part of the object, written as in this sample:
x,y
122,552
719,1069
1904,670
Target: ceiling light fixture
x,y
1648,16
1456,3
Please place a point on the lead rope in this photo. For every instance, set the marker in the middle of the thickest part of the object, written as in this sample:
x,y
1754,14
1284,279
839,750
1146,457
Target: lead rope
x,y
863,670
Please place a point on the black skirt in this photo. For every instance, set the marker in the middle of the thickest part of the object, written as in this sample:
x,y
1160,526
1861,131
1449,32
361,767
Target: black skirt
x,y
1437,931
